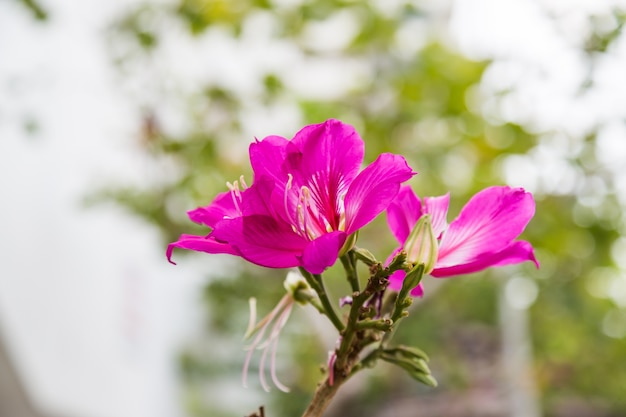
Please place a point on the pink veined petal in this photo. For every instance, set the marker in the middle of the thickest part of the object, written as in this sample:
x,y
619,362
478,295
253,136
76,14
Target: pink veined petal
x,y
437,207
488,223
266,198
256,200
267,158
395,283
222,206
325,158
262,240
403,212
201,244
374,189
519,251
323,252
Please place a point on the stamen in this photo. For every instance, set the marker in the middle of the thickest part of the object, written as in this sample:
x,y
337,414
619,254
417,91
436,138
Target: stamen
x,y
264,383
306,201
242,181
271,344
280,323
286,201
252,321
235,194
283,306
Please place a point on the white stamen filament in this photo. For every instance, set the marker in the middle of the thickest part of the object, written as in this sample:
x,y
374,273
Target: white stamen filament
x,y
252,320
286,201
282,311
275,380
235,194
306,201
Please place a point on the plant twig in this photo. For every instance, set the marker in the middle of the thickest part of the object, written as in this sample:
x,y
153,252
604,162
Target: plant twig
x,y
316,282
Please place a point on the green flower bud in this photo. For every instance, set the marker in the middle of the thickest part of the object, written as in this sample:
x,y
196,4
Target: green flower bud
x,y
366,256
421,246
298,288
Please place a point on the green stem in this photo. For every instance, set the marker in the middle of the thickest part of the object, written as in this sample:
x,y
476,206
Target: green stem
x,y
349,264
318,306
316,282
374,285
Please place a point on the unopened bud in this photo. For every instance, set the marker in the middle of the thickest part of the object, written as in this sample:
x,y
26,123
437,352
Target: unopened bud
x,y
296,285
421,246
366,256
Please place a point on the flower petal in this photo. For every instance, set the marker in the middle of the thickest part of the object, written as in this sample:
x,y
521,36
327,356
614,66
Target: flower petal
x,y
323,252
403,213
374,189
262,240
519,251
395,283
437,207
487,224
201,244
222,206
325,158
267,158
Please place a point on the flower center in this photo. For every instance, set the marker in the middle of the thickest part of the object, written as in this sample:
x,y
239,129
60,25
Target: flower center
x,y
302,211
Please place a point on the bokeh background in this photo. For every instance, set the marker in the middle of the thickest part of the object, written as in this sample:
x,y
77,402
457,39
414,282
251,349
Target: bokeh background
x,y
117,117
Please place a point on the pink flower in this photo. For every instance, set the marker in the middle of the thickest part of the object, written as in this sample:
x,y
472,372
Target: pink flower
x,y
483,235
308,197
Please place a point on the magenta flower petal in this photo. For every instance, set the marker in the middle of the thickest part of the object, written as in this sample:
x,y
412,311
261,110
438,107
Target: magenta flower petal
x,y
395,283
222,206
325,158
262,240
307,196
374,188
437,207
488,224
403,213
482,236
519,251
418,291
406,209
267,158
322,252
330,152
200,244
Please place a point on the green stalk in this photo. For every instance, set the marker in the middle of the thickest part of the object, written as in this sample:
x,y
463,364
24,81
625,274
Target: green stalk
x,y
316,282
349,264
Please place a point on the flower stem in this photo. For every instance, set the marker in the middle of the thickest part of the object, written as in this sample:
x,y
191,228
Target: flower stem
x,y
327,389
316,282
323,395
349,264
374,285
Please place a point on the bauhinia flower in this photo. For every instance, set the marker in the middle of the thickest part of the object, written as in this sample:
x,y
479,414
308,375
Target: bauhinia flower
x,y
308,198
297,291
482,236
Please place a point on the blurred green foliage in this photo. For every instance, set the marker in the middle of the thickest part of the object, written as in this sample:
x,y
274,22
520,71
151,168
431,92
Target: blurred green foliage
x,y
36,9
423,102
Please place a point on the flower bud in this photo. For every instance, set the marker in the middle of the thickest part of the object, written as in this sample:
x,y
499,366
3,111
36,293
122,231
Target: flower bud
x,y
421,246
298,288
366,256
